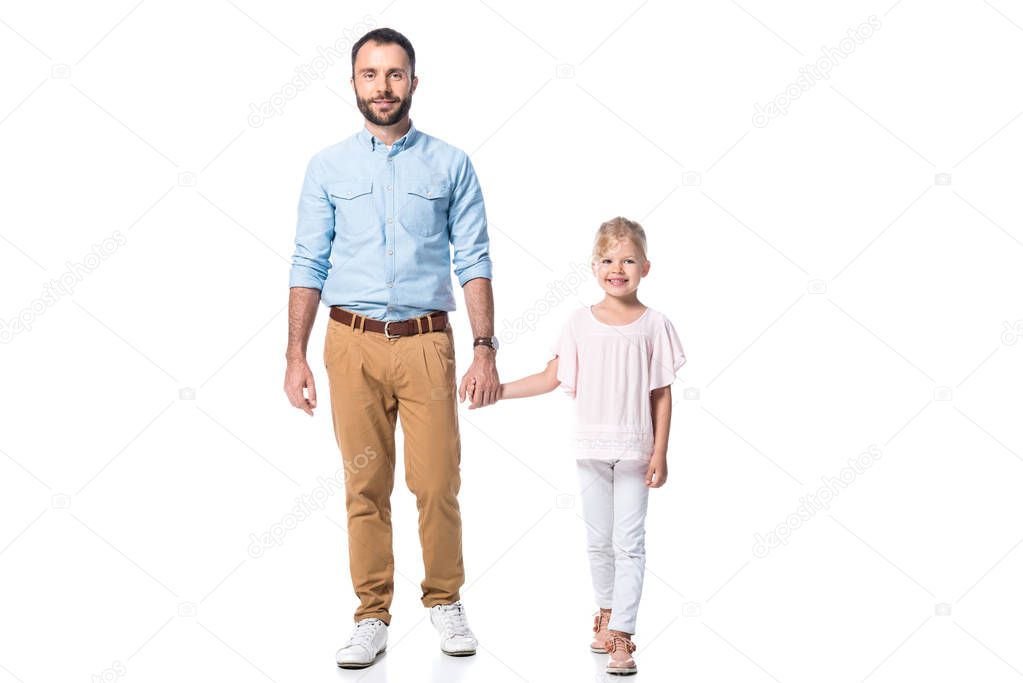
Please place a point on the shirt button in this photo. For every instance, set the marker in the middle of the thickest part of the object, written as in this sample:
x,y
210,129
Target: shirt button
x,y
390,220
390,284
390,251
388,187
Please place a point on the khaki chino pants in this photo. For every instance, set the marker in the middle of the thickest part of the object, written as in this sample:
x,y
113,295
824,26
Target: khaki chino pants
x,y
374,381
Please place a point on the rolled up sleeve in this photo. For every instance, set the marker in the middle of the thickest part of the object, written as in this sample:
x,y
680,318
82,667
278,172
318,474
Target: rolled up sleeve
x,y
467,225
314,234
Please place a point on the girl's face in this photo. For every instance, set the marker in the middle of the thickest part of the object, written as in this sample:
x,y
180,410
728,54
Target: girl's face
x,y
620,268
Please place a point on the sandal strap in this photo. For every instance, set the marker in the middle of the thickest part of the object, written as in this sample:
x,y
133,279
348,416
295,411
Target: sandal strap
x,y
618,642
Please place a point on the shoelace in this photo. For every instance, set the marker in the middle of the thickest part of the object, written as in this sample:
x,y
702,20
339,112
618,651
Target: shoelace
x,y
619,643
600,619
455,623
364,632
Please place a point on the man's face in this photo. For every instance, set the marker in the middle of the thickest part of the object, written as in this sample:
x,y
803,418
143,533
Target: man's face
x,y
383,83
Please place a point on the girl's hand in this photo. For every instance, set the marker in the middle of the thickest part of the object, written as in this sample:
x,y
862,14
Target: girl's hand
x,y
657,472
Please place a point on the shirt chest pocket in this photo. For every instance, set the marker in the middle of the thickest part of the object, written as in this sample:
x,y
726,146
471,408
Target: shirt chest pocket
x,y
353,205
424,211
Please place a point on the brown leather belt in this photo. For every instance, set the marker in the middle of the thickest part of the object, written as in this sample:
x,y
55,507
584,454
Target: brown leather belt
x,y
392,329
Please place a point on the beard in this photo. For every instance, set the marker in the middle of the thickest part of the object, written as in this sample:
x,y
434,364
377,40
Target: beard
x,y
389,119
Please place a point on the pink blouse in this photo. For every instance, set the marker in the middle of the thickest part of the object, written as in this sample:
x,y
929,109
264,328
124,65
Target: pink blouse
x,y
610,371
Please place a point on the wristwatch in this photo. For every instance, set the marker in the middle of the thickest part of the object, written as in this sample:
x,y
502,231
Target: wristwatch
x,y
485,341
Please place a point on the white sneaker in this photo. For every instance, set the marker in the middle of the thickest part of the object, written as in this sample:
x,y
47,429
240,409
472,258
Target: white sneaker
x,y
456,638
367,641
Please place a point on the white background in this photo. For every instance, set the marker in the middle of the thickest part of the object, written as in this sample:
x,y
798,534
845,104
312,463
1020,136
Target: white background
x,y
831,292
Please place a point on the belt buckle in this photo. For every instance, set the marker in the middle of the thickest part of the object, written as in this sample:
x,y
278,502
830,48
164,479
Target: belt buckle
x,y
388,334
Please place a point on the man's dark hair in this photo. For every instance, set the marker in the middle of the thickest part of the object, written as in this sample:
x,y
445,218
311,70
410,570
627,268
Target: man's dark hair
x,y
386,36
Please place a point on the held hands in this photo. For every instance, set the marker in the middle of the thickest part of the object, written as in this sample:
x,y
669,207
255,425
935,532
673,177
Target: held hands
x,y
657,472
297,377
481,383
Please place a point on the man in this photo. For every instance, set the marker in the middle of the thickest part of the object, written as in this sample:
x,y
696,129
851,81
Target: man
x,y
375,219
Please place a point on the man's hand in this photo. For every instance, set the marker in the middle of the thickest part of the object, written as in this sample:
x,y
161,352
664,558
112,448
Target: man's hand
x,y
657,472
481,382
297,377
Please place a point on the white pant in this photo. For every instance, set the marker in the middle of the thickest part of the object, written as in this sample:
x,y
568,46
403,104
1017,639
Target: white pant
x,y
614,495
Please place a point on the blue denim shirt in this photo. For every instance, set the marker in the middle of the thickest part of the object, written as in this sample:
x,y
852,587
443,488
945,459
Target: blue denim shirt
x,y
374,226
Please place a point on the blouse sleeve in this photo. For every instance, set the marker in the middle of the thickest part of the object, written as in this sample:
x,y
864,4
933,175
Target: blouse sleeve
x,y
566,350
666,356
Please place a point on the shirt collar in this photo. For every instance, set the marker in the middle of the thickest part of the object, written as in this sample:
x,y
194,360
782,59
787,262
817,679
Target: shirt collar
x,y
407,140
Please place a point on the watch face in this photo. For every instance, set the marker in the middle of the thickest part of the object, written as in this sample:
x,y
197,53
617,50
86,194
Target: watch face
x,y
495,342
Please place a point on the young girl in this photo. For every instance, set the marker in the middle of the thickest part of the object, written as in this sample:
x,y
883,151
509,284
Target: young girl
x,y
617,359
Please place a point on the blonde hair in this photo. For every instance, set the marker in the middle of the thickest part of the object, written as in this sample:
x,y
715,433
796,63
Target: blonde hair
x,y
611,233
